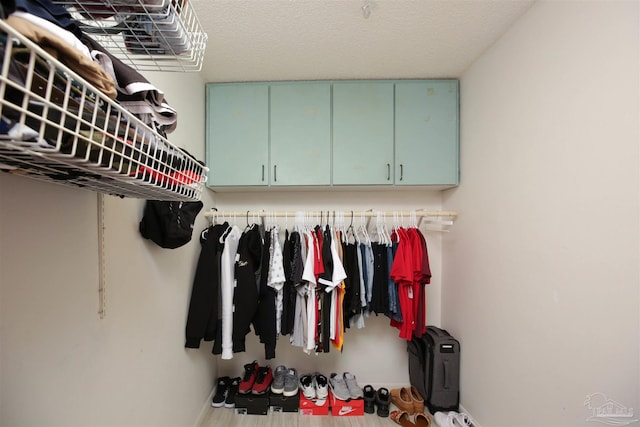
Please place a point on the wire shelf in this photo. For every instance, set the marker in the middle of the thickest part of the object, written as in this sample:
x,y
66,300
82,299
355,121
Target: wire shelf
x,y
56,127
148,35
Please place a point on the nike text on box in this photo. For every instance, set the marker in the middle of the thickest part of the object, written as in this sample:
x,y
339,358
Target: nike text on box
x,y
345,408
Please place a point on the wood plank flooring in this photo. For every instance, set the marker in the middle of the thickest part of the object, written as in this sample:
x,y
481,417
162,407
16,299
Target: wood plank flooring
x,y
218,417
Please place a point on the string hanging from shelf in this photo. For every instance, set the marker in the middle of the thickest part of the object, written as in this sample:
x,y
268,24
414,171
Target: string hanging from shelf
x,y
433,220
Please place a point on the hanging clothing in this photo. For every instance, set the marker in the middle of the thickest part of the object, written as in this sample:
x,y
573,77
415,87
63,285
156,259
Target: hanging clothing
x,y
202,317
227,285
245,298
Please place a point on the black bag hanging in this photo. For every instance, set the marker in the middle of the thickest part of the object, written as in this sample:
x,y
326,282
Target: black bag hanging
x,y
169,224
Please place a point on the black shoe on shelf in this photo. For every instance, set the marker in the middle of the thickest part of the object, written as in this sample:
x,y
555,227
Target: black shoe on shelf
x,y
369,399
230,401
222,390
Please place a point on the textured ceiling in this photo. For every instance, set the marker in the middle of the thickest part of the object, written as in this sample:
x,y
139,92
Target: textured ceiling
x,y
259,40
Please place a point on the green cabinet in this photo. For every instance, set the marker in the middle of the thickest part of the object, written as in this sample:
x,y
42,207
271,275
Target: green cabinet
x,y
426,132
342,133
300,134
363,133
237,134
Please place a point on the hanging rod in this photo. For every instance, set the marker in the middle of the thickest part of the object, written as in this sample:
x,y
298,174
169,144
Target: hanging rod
x,y
420,213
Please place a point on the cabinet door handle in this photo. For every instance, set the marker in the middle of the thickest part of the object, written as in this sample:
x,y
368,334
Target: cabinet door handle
x,y
388,172
401,171
262,173
275,174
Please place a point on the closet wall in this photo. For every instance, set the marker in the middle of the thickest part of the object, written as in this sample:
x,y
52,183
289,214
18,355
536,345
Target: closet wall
x,y
60,365
547,303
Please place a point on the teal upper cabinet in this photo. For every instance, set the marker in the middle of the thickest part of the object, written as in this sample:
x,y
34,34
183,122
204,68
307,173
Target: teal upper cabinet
x,y
340,133
363,133
426,132
300,133
237,134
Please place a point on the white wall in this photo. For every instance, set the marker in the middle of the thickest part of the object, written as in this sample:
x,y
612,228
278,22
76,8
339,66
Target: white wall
x,y
541,276
60,365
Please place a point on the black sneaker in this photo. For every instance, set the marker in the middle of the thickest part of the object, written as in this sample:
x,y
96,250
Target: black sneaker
x,y
222,390
230,401
369,399
383,399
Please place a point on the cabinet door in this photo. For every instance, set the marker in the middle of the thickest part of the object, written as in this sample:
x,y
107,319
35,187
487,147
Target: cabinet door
x,y
300,145
237,134
362,133
426,133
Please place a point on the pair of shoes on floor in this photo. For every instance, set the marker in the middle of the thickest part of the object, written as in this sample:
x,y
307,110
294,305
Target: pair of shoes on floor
x,y
226,390
420,419
315,387
452,419
345,386
380,398
285,381
408,399
256,380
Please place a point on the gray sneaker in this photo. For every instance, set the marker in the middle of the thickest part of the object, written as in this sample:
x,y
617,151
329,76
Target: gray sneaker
x,y
277,386
355,391
290,382
339,387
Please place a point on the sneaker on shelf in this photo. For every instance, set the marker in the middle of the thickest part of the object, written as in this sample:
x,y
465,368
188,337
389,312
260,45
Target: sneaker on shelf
x,y
263,380
321,386
339,387
250,373
222,390
277,386
291,382
355,391
369,399
230,401
308,386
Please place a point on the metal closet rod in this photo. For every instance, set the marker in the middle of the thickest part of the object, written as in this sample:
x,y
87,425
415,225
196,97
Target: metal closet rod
x,y
346,214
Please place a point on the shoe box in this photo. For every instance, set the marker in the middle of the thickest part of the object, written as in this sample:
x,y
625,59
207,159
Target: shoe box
x,y
344,408
252,404
311,407
282,403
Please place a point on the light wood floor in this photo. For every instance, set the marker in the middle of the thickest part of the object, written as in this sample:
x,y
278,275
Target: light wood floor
x,y
218,417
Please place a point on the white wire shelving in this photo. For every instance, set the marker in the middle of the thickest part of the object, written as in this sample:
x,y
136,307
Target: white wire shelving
x,y
56,127
148,35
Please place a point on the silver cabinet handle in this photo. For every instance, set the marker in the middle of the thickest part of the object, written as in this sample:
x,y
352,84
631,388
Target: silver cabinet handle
x,y
275,175
388,172
262,173
401,171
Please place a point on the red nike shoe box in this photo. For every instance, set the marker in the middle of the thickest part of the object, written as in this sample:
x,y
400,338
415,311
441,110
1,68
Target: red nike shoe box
x,y
311,407
345,408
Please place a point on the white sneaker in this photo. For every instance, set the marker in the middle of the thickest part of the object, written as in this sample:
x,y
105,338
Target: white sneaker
x,y
462,420
307,385
444,419
321,385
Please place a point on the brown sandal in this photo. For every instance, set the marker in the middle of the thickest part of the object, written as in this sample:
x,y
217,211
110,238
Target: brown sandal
x,y
422,420
402,418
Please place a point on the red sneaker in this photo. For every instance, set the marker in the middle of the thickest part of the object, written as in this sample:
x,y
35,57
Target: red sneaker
x,y
249,378
263,380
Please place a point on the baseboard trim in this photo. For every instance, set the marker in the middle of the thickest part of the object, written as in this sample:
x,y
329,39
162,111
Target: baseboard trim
x,y
204,410
475,423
